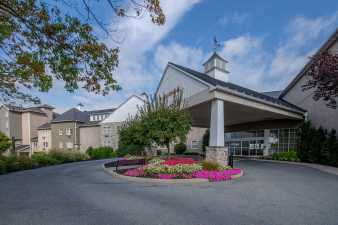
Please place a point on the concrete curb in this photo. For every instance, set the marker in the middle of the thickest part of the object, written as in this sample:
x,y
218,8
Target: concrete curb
x,y
163,181
323,168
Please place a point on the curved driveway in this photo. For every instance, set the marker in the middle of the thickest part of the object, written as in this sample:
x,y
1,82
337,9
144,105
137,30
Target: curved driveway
x,y
81,193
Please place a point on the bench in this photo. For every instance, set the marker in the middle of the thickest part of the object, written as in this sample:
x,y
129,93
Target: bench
x,y
126,162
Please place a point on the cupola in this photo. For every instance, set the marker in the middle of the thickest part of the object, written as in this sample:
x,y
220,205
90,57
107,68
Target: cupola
x,y
215,67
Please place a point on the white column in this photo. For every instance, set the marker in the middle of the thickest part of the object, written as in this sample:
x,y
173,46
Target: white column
x,y
267,143
217,124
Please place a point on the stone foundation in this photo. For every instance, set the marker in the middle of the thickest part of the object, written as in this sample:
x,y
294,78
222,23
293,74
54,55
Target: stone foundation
x,y
218,154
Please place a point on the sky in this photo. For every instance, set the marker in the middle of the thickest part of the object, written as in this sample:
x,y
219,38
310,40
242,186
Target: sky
x,y
266,43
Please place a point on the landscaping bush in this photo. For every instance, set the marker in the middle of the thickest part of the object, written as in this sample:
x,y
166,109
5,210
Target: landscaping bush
x,y
101,152
213,166
68,156
43,159
286,156
2,166
131,149
16,163
180,148
210,165
316,145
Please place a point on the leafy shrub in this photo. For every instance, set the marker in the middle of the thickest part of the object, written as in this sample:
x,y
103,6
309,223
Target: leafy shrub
x,y
191,153
210,165
180,148
68,156
156,161
176,169
2,166
5,142
43,159
316,145
286,156
101,152
131,149
16,163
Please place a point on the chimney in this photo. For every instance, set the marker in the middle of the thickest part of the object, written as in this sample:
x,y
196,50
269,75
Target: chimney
x,y
215,67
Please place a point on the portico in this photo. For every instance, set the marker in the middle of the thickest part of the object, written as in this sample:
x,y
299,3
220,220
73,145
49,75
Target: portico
x,y
224,107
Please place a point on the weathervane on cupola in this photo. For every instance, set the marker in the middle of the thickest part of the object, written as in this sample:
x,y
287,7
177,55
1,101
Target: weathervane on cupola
x,y
217,45
215,66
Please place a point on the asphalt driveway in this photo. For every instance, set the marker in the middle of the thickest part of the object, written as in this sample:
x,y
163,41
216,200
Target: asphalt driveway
x,y
81,193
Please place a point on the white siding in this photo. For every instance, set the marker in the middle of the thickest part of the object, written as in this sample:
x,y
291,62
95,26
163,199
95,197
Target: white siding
x,y
174,78
127,109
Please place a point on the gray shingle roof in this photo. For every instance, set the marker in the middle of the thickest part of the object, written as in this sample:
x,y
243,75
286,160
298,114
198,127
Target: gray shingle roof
x,y
45,126
274,94
210,80
34,110
91,124
72,115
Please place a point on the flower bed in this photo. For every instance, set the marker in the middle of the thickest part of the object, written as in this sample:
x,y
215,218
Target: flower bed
x,y
182,168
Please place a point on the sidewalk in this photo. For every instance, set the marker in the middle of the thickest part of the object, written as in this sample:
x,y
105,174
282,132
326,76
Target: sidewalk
x,y
327,169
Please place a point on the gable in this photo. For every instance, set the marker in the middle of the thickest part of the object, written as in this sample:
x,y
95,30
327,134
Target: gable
x,y
128,109
331,45
173,78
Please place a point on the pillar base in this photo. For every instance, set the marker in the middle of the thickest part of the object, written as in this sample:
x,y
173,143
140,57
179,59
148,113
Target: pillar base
x,y
218,154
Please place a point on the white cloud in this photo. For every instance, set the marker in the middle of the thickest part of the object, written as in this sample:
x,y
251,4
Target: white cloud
x,y
235,18
140,36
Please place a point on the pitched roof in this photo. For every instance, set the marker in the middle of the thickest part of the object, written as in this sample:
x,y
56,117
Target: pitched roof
x,y
326,46
274,94
101,111
46,106
91,124
72,115
214,55
214,82
34,110
45,126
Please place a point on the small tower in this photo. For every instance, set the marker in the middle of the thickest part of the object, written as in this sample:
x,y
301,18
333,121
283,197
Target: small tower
x,y
215,67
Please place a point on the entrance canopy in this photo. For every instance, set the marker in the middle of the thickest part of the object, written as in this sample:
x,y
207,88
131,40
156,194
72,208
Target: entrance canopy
x,y
237,110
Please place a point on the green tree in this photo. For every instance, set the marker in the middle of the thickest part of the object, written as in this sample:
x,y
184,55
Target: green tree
x,y
132,133
5,142
39,44
165,120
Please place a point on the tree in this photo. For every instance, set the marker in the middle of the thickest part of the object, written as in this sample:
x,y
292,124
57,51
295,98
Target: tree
x,y
5,142
133,133
39,44
323,73
165,120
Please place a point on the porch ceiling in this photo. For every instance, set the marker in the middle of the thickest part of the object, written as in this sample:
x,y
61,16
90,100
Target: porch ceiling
x,y
233,114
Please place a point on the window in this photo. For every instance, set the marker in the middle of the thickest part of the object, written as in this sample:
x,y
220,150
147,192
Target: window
x,y
195,144
61,145
68,131
60,132
69,145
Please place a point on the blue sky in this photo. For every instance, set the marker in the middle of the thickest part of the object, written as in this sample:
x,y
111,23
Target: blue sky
x,y
266,43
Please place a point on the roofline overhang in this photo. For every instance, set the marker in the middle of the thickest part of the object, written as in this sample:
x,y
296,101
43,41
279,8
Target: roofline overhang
x,y
299,114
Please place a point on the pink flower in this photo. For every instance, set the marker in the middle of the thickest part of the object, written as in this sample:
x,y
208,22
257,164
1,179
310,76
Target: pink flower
x,y
216,175
138,172
175,161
